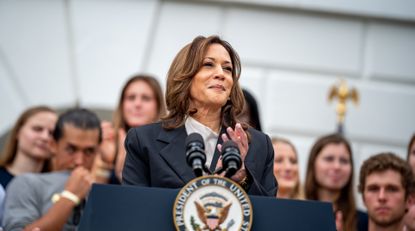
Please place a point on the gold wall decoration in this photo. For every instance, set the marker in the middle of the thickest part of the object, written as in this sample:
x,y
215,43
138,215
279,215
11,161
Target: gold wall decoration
x,y
342,92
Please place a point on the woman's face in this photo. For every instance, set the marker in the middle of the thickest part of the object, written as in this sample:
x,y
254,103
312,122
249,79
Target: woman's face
x,y
333,166
409,218
35,135
212,84
412,157
285,166
139,104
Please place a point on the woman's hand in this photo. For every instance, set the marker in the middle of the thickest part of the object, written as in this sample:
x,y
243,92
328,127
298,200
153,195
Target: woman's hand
x,y
107,147
119,164
339,220
104,162
237,135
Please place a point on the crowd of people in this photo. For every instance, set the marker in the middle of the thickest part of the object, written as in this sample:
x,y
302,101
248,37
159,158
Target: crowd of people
x,y
50,161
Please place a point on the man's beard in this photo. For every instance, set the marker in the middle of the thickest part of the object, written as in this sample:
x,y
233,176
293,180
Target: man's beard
x,y
388,222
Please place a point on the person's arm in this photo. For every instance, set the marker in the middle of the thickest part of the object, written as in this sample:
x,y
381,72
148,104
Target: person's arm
x,y
23,207
136,169
78,184
21,203
55,218
104,161
266,185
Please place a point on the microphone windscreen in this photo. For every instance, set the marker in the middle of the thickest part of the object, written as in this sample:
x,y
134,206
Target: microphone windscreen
x,y
194,137
229,144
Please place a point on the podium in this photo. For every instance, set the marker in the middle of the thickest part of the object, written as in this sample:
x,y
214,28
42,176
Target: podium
x,y
115,207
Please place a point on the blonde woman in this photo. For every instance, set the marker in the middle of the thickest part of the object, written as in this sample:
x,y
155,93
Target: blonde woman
x,y
286,169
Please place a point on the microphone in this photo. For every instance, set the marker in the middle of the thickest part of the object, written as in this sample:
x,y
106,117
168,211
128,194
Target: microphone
x,y
195,153
231,158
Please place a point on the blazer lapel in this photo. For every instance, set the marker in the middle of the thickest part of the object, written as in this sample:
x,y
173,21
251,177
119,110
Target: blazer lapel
x,y
216,154
175,152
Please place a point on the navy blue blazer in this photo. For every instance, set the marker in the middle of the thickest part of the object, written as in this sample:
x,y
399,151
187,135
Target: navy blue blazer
x,y
156,158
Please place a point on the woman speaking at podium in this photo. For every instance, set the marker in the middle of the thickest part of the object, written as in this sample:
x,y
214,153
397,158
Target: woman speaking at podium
x,y
203,96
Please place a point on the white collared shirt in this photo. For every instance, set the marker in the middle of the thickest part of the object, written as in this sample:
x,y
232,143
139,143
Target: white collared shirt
x,y
209,136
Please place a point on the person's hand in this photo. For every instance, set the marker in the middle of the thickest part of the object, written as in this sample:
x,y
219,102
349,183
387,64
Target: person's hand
x,y
237,135
119,164
339,220
79,182
107,147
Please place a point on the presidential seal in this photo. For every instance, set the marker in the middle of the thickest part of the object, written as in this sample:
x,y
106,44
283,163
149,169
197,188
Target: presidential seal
x,y
212,203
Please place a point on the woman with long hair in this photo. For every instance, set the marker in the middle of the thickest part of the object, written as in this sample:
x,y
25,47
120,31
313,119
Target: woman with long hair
x,y
203,95
410,156
141,102
409,218
329,178
27,148
286,169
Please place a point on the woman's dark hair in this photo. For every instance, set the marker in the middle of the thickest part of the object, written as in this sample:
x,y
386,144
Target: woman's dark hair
x,y
251,108
411,142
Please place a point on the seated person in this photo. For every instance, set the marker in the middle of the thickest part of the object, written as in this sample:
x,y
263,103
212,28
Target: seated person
x,y
385,182
53,201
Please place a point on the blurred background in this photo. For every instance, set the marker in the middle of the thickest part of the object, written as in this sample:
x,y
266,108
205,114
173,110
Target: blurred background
x,y
64,53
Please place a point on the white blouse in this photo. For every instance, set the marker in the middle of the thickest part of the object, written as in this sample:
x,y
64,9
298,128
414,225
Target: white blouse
x,y
209,136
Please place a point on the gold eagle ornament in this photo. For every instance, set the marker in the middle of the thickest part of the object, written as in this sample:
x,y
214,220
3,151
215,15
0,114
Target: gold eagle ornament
x,y
212,216
343,93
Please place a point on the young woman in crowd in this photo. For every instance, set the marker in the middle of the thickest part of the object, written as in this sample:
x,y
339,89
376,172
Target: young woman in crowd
x,y
286,169
250,112
329,177
27,148
411,153
141,102
409,218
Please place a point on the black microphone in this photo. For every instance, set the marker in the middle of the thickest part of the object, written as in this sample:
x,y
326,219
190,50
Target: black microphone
x,y
195,153
231,158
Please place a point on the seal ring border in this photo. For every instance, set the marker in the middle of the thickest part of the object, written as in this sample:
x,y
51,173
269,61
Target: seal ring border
x,y
213,177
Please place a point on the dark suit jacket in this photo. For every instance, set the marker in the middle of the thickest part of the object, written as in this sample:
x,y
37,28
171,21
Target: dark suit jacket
x,y
156,158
